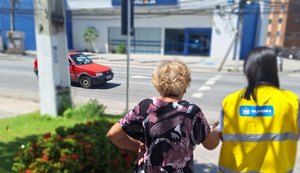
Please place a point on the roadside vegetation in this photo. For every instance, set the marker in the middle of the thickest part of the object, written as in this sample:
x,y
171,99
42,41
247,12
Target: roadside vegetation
x,y
73,142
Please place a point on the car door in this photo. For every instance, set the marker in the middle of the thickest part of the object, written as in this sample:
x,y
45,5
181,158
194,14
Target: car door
x,y
72,69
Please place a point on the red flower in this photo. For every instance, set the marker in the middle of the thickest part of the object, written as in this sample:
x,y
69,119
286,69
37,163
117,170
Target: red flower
x,y
128,158
27,171
63,158
45,158
47,135
74,157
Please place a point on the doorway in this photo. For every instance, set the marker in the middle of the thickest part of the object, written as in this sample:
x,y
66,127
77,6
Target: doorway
x,y
197,41
189,41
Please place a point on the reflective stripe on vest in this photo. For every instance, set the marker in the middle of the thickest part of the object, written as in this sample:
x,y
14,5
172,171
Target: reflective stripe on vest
x,y
260,137
225,170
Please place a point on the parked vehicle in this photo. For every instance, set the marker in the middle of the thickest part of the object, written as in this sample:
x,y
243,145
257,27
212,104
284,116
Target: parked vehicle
x,y
84,71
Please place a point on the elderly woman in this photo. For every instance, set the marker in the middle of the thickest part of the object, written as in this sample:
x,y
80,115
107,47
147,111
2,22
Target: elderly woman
x,y
165,128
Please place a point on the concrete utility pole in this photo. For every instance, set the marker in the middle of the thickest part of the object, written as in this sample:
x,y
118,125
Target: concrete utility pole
x,y
239,28
1,44
54,80
12,14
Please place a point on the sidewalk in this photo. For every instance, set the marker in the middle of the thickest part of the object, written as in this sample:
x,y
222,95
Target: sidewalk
x,y
10,107
196,63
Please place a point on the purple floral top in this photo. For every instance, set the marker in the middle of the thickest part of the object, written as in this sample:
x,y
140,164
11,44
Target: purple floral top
x,y
170,131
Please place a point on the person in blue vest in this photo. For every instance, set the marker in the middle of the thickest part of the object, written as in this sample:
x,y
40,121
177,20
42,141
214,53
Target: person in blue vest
x,y
259,124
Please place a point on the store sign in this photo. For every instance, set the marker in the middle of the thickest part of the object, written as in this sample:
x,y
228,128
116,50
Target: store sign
x,y
147,2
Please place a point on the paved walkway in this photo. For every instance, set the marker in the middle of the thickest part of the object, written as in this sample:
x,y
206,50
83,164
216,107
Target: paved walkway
x,y
205,161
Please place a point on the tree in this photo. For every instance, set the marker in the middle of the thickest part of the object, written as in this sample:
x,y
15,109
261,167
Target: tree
x,y
90,35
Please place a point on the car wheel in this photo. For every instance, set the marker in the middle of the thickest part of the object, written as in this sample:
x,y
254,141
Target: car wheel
x,y
85,82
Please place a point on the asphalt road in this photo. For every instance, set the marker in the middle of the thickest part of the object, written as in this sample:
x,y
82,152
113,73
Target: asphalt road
x,y
207,88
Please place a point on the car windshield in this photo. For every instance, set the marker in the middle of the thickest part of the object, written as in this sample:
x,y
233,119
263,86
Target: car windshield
x,y
81,59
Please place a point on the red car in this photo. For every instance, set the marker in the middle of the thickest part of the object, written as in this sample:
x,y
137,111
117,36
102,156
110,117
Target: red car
x,y
84,71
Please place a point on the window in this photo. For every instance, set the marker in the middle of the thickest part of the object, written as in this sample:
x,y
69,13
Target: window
x,y
174,41
145,40
269,34
278,34
282,7
280,20
270,21
80,59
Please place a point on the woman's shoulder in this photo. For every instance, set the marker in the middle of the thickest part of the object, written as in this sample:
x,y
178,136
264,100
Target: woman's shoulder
x,y
292,97
290,93
192,107
146,102
235,94
152,102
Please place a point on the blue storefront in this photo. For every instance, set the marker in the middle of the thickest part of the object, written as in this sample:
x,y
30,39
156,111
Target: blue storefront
x,y
188,41
147,2
197,41
250,21
24,22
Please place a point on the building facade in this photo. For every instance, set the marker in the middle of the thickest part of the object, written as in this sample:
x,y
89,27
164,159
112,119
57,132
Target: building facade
x,y
284,24
170,27
160,27
292,32
21,19
209,28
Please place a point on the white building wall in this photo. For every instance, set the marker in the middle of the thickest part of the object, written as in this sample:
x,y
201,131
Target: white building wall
x,y
223,27
102,24
223,34
90,4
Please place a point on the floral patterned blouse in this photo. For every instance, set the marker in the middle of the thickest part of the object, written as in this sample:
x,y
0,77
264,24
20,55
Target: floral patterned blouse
x,y
170,131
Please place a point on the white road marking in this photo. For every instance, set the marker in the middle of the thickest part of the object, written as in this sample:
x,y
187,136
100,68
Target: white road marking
x,y
140,77
294,75
213,80
206,86
198,95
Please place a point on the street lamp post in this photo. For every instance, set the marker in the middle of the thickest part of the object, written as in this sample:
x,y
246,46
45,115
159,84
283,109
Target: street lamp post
x,y
127,29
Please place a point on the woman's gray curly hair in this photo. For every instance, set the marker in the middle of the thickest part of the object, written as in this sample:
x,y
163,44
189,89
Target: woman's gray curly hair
x,y
171,78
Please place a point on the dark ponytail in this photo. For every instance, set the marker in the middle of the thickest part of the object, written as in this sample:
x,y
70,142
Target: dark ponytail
x,y
260,67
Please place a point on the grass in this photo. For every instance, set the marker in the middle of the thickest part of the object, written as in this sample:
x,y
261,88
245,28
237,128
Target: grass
x,y
17,131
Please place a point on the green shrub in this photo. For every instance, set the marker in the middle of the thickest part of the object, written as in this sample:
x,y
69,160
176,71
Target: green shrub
x,y
121,49
90,35
83,148
92,109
